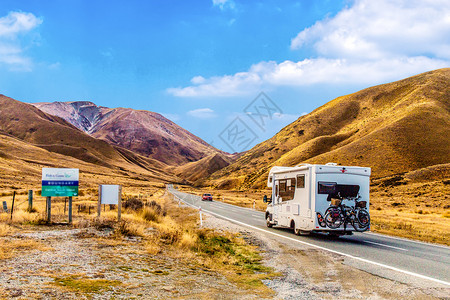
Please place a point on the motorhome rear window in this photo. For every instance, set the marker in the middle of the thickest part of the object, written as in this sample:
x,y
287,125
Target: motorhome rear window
x,y
337,191
327,187
347,190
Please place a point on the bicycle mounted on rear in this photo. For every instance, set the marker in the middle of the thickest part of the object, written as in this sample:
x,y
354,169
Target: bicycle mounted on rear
x,y
339,214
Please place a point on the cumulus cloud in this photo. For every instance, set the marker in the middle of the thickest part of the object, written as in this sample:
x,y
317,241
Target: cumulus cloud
x,y
383,28
224,4
12,26
202,113
368,43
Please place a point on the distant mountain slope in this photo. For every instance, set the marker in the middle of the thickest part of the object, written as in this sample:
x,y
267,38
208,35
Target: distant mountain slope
x,y
201,169
24,124
144,132
393,128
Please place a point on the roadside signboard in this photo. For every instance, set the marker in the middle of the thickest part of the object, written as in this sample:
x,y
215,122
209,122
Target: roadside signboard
x,y
109,194
59,182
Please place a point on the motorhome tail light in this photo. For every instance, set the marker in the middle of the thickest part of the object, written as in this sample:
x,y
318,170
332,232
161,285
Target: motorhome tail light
x,y
321,220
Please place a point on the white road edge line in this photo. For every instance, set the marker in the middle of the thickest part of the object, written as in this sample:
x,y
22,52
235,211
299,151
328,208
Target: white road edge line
x,y
406,240
383,245
326,249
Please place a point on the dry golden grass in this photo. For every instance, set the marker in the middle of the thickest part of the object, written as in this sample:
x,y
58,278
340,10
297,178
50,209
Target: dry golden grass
x,y
411,209
13,248
165,228
5,229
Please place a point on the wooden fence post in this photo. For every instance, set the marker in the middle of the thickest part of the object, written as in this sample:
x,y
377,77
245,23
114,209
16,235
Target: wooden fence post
x,y
12,206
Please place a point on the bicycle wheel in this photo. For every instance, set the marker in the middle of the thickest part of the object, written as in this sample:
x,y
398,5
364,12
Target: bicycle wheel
x,y
333,217
362,220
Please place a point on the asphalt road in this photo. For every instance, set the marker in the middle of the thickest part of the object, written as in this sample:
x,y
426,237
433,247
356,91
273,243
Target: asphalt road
x,y
399,259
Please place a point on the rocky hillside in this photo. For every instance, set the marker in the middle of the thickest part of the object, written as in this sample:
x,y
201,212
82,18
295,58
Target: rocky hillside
x,y
144,132
31,139
393,128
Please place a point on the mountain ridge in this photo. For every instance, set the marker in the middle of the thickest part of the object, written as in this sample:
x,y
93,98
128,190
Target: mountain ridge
x,y
394,128
25,125
148,133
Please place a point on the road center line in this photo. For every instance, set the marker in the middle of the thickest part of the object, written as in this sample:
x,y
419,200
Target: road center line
x,y
383,245
326,249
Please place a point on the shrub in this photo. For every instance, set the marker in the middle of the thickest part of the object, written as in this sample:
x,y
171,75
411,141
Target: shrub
x,y
133,203
149,214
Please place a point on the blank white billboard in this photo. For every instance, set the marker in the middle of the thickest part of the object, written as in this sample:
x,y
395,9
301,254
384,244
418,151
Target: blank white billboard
x,y
109,194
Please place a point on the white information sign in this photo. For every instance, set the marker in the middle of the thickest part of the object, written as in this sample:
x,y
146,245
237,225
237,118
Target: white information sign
x,y
109,194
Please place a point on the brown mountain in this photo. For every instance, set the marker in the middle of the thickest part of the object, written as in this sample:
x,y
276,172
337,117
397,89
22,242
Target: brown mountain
x,y
26,127
144,132
201,169
393,128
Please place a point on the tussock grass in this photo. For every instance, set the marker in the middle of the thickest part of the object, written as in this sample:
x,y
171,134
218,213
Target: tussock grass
x,y
22,217
5,229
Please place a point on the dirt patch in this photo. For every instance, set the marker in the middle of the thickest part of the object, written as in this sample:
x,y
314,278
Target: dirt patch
x,y
83,263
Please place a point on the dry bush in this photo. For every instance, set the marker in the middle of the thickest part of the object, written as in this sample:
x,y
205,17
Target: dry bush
x,y
5,229
151,215
188,240
133,204
153,246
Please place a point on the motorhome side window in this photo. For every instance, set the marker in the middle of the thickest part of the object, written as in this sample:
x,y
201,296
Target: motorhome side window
x,y
287,189
301,181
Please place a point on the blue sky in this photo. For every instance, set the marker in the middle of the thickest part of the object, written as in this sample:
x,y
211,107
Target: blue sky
x,y
201,63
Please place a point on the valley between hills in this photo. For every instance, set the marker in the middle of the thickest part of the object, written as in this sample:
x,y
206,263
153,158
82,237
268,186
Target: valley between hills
x,y
401,130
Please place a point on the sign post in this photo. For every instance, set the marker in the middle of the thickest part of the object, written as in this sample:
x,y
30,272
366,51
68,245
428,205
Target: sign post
x,y
30,200
59,183
49,209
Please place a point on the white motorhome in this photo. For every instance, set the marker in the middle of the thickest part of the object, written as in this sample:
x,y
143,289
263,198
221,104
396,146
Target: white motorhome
x,y
302,194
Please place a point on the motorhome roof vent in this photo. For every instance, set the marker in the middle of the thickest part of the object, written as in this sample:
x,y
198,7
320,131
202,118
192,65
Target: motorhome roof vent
x,y
331,164
299,165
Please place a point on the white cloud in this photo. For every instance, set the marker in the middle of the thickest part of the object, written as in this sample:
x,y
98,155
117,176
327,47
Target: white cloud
x,y
224,4
202,113
308,72
17,22
225,86
368,43
12,27
381,29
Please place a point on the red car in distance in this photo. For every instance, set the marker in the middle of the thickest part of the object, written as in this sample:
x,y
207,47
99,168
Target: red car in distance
x,y
206,197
